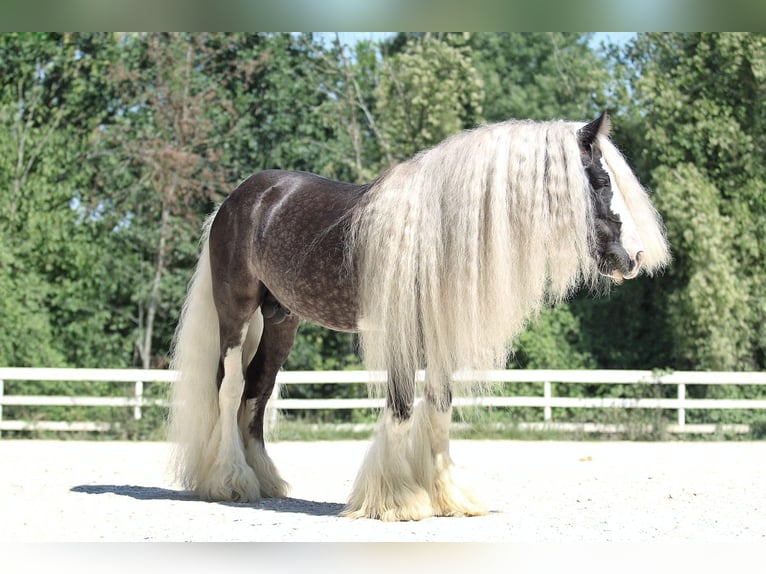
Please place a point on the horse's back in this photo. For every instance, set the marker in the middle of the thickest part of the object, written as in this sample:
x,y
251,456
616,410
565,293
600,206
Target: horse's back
x,y
293,180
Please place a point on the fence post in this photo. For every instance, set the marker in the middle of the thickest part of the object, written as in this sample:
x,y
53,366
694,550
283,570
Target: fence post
x,y
681,409
139,392
547,412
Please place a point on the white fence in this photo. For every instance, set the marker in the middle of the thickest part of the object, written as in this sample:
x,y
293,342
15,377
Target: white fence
x,y
547,401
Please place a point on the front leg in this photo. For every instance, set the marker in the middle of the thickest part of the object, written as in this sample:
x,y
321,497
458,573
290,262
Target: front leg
x,y
432,462
386,487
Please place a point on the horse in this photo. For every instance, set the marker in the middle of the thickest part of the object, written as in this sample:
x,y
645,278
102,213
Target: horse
x,y
437,263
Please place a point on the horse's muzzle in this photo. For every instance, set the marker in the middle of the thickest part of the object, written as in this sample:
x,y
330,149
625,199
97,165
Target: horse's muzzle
x,y
619,265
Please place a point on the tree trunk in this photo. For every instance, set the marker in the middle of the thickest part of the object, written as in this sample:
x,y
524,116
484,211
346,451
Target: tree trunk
x,y
154,294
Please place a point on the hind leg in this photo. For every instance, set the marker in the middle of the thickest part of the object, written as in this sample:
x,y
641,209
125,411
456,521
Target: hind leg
x,y
229,476
386,487
431,460
274,347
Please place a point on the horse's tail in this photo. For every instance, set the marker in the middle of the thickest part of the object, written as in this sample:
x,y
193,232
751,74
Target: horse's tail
x,y
196,356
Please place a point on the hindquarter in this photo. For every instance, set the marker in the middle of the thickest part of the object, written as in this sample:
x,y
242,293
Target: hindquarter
x,y
285,233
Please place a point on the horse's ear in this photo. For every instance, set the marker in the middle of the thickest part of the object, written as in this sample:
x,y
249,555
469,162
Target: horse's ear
x,y
587,134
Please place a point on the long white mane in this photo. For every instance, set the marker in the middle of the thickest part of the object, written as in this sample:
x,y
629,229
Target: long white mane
x,y
460,245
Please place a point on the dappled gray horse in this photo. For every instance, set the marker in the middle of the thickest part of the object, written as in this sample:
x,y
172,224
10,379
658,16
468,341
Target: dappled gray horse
x,y
437,263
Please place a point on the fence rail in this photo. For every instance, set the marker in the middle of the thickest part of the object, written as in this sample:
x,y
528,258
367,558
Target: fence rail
x,y
547,401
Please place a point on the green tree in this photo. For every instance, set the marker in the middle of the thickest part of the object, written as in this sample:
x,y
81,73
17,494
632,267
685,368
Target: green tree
x,y
52,98
359,151
428,90
172,122
703,133
539,76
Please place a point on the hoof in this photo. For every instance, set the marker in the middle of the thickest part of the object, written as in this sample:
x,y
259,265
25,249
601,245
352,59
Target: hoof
x,y
275,487
271,483
392,508
458,502
449,497
231,483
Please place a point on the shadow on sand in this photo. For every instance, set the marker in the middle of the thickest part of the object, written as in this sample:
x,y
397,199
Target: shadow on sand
x,y
294,505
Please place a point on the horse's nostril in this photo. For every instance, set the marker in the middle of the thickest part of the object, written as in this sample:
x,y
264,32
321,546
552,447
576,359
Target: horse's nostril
x,y
636,263
618,258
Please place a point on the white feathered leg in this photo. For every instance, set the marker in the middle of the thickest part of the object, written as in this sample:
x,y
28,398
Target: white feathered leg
x,y
385,487
433,467
229,477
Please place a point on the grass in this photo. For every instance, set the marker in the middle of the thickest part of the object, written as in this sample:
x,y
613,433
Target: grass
x,y
483,424
327,431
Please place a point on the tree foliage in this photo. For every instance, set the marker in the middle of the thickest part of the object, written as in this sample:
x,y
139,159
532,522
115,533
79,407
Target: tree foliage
x,y
428,91
539,76
56,263
171,119
704,141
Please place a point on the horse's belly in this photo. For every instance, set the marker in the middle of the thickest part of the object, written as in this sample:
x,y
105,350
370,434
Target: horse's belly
x,y
330,318
316,287
326,303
